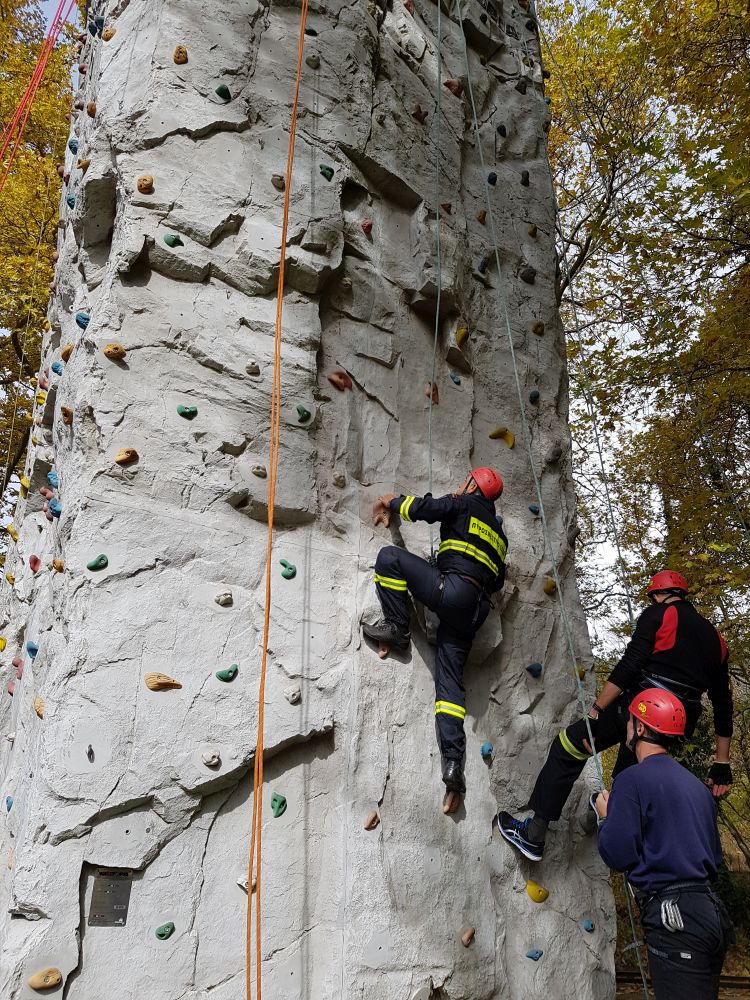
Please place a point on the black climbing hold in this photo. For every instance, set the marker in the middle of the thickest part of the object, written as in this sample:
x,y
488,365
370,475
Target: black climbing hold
x,y
311,32
534,508
483,18
528,274
326,171
525,178
530,24
502,130
90,754
535,669
99,22
521,86
482,265
534,397
546,74
492,178
223,93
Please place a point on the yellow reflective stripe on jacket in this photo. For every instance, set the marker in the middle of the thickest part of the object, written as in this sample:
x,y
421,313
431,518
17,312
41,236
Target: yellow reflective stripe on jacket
x,y
485,532
391,582
453,545
448,708
568,746
405,508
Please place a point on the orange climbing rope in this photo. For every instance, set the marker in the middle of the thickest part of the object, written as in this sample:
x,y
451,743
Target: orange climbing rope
x,y
254,857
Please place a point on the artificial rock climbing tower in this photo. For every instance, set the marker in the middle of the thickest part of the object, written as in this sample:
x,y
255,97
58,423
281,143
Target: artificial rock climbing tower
x,y
127,798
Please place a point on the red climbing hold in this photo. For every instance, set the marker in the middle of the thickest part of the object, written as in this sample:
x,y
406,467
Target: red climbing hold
x,y
367,227
431,390
409,5
340,380
455,87
35,564
447,207
419,115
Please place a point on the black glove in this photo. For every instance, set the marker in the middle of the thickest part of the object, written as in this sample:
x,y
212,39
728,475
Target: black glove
x,y
594,723
720,774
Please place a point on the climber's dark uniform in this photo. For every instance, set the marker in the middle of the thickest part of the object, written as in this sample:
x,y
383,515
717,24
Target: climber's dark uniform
x,y
673,647
470,567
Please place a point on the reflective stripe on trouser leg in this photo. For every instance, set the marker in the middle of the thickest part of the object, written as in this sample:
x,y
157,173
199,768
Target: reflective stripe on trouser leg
x,y
391,586
569,748
450,696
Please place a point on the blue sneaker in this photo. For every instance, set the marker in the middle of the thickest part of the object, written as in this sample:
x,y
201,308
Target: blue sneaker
x,y
516,832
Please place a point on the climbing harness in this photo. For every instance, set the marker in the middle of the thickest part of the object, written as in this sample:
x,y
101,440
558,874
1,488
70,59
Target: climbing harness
x,y
255,853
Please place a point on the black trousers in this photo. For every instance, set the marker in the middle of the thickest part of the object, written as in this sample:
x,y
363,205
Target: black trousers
x,y
686,964
461,608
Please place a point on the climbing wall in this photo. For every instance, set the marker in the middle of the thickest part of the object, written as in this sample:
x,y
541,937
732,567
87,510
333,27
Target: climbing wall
x,y
133,609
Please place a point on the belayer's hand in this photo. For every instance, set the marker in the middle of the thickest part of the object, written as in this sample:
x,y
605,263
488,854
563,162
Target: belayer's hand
x,y
601,803
381,511
720,778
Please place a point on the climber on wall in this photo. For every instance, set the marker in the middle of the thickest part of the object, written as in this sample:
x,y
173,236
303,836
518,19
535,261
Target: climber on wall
x,y
673,647
470,567
659,827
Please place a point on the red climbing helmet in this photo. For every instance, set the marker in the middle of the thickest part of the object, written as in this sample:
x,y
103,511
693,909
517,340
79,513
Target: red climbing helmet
x,y
660,710
488,481
668,580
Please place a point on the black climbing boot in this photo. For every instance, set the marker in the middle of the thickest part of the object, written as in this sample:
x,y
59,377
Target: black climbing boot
x,y
388,634
453,776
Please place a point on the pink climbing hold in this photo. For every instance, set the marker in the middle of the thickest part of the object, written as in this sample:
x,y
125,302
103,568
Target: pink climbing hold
x,y
340,380
409,5
367,227
35,564
42,381
19,668
11,687
455,87
46,492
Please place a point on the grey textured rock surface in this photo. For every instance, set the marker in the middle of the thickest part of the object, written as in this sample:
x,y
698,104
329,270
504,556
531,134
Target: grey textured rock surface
x,y
151,784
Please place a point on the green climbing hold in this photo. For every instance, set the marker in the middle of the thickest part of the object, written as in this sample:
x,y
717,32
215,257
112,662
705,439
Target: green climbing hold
x,y
228,674
289,571
188,412
101,562
326,171
223,92
164,931
173,240
278,804
303,415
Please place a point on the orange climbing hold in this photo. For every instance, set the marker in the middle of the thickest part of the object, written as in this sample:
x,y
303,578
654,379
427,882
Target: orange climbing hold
x,y
115,352
468,936
145,184
340,380
66,351
180,55
126,456
91,109
160,682
372,821
67,415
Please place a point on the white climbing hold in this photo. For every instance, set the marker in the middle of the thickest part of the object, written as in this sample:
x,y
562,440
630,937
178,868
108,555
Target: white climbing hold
x,y
243,883
252,367
293,695
211,758
224,600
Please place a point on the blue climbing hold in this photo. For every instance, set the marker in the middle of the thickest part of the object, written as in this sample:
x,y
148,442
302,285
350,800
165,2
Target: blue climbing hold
x,y
92,28
534,397
73,145
588,926
55,508
32,649
535,669
534,954
8,802
455,379
99,22
534,508
53,479
58,367
70,201
492,178
486,750
482,265
82,319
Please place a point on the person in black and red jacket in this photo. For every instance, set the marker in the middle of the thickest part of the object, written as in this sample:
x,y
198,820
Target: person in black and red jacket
x,y
674,648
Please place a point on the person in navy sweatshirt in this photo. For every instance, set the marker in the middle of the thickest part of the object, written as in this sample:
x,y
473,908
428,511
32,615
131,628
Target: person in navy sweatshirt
x,y
674,648
659,827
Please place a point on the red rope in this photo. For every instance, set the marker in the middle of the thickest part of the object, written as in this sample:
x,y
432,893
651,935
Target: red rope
x,y
15,130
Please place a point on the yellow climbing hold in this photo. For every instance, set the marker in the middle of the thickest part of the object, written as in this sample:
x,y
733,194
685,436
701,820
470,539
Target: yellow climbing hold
x,y
549,586
67,415
115,352
580,670
145,184
126,456
3,643
67,351
39,707
47,979
160,682
536,892
12,531
25,484
503,434
41,398
180,55
58,565
462,334
108,34
10,578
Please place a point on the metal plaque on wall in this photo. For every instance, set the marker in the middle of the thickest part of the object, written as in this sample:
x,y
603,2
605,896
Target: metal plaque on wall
x,y
110,898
